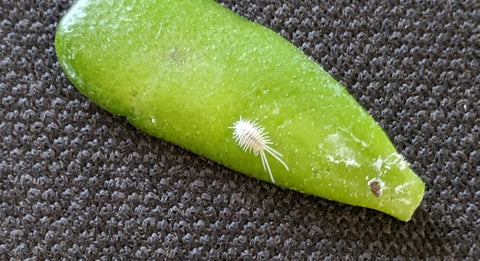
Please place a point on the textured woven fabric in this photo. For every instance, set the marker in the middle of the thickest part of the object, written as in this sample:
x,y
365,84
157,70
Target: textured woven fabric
x,y
77,182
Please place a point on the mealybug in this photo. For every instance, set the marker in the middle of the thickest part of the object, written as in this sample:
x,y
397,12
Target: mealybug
x,y
253,138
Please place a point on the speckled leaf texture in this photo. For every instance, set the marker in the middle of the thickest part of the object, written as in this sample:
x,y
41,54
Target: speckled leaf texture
x,y
78,183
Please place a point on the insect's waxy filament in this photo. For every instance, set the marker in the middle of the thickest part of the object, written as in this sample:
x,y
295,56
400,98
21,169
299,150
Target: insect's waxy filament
x,y
253,138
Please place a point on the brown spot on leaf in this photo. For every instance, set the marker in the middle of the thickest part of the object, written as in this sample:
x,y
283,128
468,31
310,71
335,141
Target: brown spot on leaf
x,y
375,188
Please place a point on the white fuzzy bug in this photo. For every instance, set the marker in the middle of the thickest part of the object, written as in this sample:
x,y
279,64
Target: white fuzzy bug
x,y
253,138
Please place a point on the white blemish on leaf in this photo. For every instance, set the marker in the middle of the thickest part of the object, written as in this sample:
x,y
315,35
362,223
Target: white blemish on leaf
x,y
352,162
361,142
401,188
348,162
378,164
406,201
403,164
342,152
383,164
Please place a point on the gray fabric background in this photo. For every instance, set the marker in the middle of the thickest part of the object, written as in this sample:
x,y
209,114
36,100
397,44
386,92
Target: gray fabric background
x,y
77,182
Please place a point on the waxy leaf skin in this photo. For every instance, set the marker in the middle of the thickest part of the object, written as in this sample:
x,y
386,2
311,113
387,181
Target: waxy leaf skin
x,y
196,74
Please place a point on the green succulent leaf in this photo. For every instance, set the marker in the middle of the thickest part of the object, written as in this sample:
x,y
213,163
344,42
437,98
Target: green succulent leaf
x,y
198,75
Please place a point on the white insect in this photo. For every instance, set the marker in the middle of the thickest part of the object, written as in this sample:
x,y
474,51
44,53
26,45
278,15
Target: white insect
x,y
253,138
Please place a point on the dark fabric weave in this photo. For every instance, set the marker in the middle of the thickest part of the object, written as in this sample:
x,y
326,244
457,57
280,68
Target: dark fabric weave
x,y
77,182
